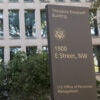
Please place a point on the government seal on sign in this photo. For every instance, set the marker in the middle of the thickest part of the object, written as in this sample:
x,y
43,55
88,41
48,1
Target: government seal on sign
x,y
59,33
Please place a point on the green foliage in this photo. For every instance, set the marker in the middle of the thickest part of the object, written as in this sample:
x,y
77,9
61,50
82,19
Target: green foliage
x,y
28,76
3,82
96,5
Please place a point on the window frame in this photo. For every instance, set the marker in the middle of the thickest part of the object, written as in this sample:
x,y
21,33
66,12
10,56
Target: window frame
x,y
44,34
2,58
32,31
17,28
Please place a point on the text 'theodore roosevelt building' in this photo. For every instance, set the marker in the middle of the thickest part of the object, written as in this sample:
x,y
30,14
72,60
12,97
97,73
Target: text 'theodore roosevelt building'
x,y
23,26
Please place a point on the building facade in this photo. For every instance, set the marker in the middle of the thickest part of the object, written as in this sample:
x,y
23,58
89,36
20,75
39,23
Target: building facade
x,y
23,26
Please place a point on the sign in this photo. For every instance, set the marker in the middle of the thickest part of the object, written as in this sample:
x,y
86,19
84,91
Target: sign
x,y
70,48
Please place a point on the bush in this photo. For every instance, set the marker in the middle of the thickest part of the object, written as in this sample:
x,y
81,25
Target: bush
x,y
27,76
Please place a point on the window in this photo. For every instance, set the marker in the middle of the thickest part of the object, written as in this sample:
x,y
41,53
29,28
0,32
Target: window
x,y
1,23
13,51
14,29
31,50
13,0
90,0
43,24
1,54
28,0
44,0
59,0
45,49
75,0
93,22
96,51
30,27
0,0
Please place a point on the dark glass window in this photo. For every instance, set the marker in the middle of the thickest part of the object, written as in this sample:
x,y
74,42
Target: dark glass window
x,y
90,0
14,29
93,22
45,49
31,50
96,50
30,27
13,51
13,0
0,0
44,0
59,0
43,24
75,0
1,23
28,0
1,54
